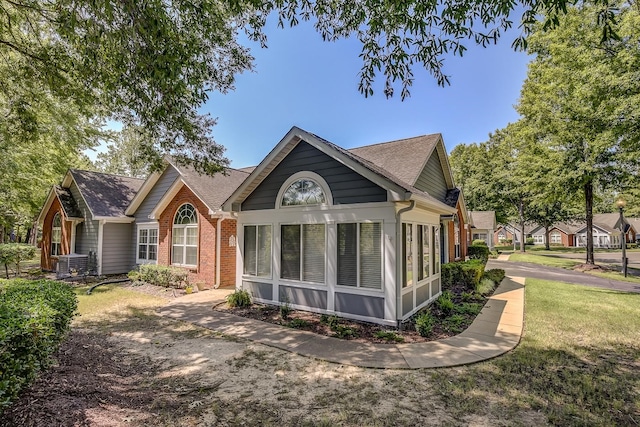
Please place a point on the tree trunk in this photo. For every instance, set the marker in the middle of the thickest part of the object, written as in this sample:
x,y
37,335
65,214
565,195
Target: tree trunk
x,y
523,238
547,232
588,198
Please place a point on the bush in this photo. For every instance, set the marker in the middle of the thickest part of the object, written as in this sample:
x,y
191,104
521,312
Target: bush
x,y
496,275
485,286
529,241
34,319
161,275
445,302
480,252
240,298
13,254
425,323
465,273
478,242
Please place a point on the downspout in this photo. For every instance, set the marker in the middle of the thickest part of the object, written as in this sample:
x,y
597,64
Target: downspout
x,y
412,204
218,245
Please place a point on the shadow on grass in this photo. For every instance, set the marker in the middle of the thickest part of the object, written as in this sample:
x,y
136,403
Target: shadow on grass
x,y
584,386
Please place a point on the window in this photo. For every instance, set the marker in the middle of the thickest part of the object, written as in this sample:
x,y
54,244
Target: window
x,y
456,237
303,252
407,255
257,250
184,250
360,255
423,252
436,249
538,239
303,192
56,236
502,236
555,238
147,244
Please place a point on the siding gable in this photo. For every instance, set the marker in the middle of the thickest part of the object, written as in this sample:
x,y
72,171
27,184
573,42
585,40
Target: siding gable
x,y
165,181
432,179
347,186
86,231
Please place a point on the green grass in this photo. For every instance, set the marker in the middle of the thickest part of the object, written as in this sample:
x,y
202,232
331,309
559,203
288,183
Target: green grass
x,y
577,363
544,260
615,275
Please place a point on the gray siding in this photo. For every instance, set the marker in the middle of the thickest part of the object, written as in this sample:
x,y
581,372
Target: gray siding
x,y
346,185
86,231
407,303
435,287
116,253
259,290
304,297
422,294
141,215
431,178
360,305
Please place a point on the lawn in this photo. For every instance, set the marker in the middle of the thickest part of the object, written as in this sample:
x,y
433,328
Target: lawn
x,y
578,364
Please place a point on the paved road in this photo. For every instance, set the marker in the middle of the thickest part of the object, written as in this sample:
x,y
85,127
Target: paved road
x,y
536,271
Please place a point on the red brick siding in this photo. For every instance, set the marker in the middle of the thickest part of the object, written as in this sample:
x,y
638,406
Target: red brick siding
x,y
452,237
204,273
46,260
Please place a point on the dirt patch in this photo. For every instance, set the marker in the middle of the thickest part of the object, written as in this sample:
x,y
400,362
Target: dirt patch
x,y
590,267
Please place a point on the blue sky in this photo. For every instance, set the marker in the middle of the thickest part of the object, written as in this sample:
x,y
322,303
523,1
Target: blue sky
x,y
301,80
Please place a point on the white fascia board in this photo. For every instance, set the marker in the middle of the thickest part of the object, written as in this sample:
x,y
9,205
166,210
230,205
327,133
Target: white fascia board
x,y
66,183
47,205
166,198
115,219
433,205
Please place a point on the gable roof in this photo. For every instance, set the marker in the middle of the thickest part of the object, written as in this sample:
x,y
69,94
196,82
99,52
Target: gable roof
x,y
398,187
66,200
405,157
106,195
485,220
609,220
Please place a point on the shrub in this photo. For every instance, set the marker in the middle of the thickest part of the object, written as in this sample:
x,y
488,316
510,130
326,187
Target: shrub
x,y
161,275
478,242
13,254
425,323
466,273
389,336
470,308
480,252
297,324
34,319
285,309
529,241
240,298
485,286
496,275
445,302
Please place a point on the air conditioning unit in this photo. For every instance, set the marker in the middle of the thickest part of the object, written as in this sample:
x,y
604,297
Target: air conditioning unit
x,y
71,265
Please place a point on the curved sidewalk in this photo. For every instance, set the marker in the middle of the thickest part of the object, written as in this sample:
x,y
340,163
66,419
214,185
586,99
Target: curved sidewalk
x,y
495,331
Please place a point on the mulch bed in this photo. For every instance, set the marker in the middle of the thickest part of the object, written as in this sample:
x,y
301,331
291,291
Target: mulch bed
x,y
351,329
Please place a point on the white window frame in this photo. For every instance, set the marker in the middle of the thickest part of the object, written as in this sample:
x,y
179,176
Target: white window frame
x,y
310,176
555,235
147,228
56,236
184,244
538,239
300,279
244,248
358,259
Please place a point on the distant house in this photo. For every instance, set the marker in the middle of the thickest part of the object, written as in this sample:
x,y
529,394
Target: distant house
x,y
360,233
85,215
606,231
483,226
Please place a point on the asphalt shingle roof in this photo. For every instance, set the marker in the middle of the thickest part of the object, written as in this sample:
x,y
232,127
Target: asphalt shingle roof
x,y
106,195
485,220
213,190
67,201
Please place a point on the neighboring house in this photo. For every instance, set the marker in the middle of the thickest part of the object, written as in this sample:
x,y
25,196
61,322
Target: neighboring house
x,y
606,231
178,221
85,215
115,223
360,233
635,228
483,226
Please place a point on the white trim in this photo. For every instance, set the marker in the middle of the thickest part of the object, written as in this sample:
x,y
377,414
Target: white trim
x,y
115,219
218,247
66,183
47,205
184,245
166,199
146,226
143,192
100,241
311,176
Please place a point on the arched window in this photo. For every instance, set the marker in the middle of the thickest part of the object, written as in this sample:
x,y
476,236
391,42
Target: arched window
x,y
304,191
185,236
56,235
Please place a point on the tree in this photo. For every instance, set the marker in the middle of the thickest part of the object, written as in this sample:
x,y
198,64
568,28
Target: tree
x,y
151,64
125,154
584,96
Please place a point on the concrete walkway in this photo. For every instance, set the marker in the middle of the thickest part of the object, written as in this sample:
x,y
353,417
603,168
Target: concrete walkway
x,y
495,331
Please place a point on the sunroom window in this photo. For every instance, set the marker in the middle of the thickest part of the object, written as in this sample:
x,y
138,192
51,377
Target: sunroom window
x,y
257,250
360,255
303,252
185,237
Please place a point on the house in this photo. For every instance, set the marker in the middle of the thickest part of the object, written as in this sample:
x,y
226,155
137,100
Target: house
x,y
85,215
606,231
635,227
483,226
108,224
360,233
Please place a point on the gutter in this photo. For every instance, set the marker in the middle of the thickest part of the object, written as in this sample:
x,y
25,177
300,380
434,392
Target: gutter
x,y
218,247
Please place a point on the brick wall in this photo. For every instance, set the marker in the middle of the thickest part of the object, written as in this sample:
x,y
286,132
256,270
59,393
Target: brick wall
x,y
46,260
204,273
